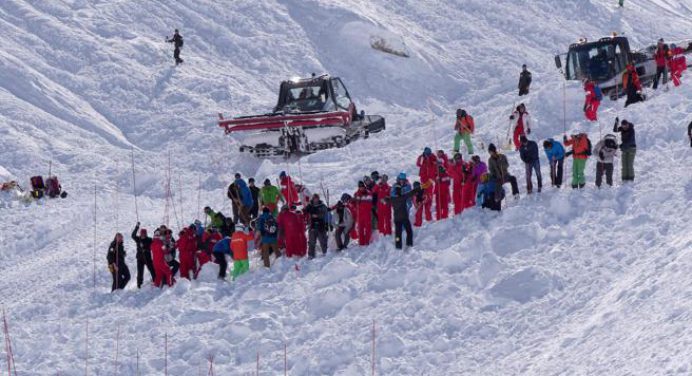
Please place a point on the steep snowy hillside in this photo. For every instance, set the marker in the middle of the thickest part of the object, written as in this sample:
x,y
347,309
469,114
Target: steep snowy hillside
x,y
590,282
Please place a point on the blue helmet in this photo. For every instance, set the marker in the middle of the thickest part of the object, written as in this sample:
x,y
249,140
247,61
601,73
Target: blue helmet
x,y
402,176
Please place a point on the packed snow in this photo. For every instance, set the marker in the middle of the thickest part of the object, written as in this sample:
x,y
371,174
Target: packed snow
x,y
563,282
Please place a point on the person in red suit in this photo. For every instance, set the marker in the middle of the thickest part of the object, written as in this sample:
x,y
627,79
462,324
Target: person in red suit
x,y
455,169
522,124
427,163
161,268
384,208
288,189
420,200
442,193
363,203
187,245
291,227
592,100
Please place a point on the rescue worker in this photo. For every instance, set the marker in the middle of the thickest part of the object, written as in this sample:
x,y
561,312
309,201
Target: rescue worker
x,y
288,189
291,227
363,208
143,243
163,271
116,263
384,208
442,196
427,164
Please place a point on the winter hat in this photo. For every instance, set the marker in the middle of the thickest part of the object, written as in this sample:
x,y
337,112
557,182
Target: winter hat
x,y
476,158
207,209
143,232
237,175
523,66
384,177
375,175
282,174
345,197
315,196
267,182
427,151
523,139
547,144
492,148
458,156
416,184
463,113
266,210
402,176
361,184
251,180
460,112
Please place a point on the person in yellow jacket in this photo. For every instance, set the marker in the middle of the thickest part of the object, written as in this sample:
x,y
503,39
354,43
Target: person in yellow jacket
x,y
464,127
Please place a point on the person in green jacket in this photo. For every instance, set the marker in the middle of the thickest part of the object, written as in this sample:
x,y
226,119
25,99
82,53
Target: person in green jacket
x,y
215,218
269,196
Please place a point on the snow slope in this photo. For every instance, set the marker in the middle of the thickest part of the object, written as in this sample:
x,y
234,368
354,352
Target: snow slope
x,y
591,282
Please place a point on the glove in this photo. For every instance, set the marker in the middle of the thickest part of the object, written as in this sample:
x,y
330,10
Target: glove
x,y
528,130
511,117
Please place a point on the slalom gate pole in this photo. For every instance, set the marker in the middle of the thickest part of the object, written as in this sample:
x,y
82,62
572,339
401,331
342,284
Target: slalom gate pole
x,y
199,196
564,107
11,366
509,125
117,348
180,191
134,184
94,251
373,348
165,358
137,364
86,357
211,365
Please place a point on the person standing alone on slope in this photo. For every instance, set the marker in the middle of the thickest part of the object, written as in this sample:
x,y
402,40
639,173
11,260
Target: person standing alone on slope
x,y
524,81
464,127
177,41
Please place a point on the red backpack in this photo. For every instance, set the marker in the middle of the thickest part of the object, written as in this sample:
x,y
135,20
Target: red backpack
x,y
53,187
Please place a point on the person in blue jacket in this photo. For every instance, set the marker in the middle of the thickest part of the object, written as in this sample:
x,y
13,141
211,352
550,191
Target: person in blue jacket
x,y
402,182
485,194
220,250
269,232
555,153
245,199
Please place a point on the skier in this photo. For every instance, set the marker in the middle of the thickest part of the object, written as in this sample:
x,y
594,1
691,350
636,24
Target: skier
x,y
456,168
528,152
594,95
241,243
343,223
363,208
221,249
427,163
676,63
288,189
269,196
177,41
476,169
269,231
524,81
498,168
143,243
399,201
254,192
317,213
581,150
442,193
605,149
632,85
555,153
661,57
163,271
245,201
628,146
384,209
490,193
187,245
522,124
291,227
464,127
116,263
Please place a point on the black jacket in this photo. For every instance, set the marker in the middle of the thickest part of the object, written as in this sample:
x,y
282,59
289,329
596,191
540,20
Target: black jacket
x,y
116,253
627,136
254,191
318,216
689,129
528,152
400,206
524,80
143,244
177,40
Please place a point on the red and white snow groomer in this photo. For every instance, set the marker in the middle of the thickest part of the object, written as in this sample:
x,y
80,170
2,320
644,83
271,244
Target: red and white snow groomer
x,y
311,114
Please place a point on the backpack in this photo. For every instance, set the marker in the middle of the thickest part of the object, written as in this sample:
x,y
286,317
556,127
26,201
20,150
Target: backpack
x,y
53,187
37,183
181,41
599,92
588,147
270,228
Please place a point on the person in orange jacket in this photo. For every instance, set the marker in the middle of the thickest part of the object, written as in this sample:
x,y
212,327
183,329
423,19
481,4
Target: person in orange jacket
x,y
427,162
384,208
631,85
161,268
581,150
592,100
363,202
442,194
464,127
456,168
242,241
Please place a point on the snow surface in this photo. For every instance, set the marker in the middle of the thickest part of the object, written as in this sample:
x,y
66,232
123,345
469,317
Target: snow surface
x,y
589,282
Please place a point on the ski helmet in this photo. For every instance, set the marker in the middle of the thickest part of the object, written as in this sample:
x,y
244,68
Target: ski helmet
x,y
402,176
